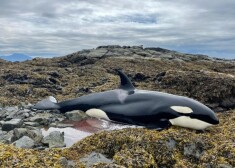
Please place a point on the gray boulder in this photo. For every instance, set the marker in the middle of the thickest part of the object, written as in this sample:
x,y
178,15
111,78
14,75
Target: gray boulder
x,y
6,137
45,118
24,142
75,115
55,139
13,123
95,158
35,134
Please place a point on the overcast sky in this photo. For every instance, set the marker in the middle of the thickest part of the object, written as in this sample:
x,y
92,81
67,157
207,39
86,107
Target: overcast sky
x,y
59,27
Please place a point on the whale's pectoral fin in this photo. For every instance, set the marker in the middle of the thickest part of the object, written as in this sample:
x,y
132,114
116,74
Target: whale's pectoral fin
x,y
46,104
159,125
125,82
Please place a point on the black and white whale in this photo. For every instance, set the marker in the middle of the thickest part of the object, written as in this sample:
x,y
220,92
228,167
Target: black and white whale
x,y
128,105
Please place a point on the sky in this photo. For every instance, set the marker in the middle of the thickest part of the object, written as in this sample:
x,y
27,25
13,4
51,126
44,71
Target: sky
x,y
47,28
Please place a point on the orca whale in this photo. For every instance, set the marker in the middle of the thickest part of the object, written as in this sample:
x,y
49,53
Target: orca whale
x,y
151,109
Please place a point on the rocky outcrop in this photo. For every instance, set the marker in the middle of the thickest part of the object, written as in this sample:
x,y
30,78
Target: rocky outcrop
x,y
92,70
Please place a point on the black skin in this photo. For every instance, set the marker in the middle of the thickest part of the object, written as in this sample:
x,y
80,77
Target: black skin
x,y
138,107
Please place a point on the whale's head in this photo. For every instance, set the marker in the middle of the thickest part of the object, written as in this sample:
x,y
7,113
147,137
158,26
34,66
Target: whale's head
x,y
193,114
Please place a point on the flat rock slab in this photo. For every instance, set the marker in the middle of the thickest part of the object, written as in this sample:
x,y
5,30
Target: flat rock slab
x,y
13,123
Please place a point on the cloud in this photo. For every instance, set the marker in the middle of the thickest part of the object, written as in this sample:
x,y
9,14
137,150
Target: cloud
x,y
58,27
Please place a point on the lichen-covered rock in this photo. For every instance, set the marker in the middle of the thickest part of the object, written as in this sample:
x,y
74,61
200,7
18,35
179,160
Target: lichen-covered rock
x,y
94,158
35,134
75,115
55,139
24,142
6,137
13,123
45,118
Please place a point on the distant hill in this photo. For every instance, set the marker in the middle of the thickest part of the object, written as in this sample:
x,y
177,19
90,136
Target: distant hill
x,y
16,57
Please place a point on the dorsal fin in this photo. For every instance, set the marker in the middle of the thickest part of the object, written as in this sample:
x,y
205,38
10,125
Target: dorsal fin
x,y
125,82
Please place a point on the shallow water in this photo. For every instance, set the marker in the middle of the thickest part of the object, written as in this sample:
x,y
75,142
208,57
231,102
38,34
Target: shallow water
x,y
84,128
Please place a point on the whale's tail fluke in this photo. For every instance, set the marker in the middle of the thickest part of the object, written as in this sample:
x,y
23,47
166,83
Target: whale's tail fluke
x,y
49,103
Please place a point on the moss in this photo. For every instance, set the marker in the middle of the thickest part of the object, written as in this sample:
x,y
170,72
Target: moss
x,y
18,157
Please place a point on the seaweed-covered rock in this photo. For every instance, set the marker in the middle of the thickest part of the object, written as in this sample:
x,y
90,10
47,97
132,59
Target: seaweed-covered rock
x,y
208,87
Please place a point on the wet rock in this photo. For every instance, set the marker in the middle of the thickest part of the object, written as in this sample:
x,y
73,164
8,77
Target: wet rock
x,y
6,137
61,125
24,142
10,125
41,118
75,115
8,113
55,139
95,158
11,115
35,134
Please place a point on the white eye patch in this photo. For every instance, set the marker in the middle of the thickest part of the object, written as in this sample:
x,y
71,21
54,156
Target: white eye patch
x,y
182,109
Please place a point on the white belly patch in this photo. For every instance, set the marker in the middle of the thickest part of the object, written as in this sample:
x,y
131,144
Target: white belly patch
x,y
97,113
188,122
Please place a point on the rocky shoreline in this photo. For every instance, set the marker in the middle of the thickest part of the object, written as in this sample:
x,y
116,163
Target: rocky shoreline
x,y
26,137
23,128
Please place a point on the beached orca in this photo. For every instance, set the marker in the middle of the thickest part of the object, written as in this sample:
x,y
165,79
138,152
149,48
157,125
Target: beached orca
x,y
128,105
